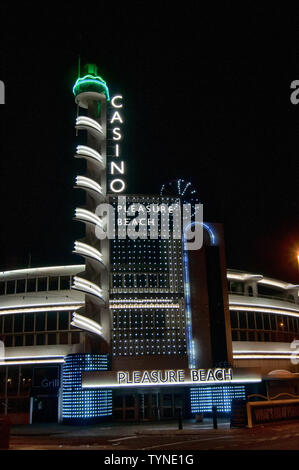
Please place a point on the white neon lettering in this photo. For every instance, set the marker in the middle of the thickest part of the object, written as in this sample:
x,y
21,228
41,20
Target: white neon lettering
x,y
117,97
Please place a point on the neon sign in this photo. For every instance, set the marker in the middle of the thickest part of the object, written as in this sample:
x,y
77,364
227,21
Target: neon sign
x,y
116,167
169,377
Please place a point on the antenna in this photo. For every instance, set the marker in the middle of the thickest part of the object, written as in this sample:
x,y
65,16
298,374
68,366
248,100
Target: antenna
x,y
79,66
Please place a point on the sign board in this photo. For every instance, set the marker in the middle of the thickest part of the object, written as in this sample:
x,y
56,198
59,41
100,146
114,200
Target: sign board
x,y
169,377
46,378
273,410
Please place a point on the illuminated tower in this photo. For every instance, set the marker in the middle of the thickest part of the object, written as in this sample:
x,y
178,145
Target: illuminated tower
x,y
91,96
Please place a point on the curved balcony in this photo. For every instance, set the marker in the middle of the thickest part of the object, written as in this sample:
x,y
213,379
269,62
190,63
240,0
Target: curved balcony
x,y
84,323
91,186
83,151
265,304
87,251
90,125
88,288
83,215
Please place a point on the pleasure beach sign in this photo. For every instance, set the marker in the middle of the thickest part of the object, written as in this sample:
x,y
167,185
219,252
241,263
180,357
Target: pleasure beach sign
x,y
169,377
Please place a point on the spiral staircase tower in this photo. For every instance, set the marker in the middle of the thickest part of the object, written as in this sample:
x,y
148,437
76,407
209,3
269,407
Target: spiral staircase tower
x,y
91,96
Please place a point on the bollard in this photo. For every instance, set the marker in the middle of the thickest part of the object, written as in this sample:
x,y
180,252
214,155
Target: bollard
x,y
180,419
214,414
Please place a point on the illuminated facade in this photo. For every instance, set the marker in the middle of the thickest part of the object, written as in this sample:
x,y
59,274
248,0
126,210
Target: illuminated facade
x,y
147,295
143,327
36,310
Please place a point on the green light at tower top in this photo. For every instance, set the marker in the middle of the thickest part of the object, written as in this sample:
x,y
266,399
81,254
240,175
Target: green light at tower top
x,y
91,82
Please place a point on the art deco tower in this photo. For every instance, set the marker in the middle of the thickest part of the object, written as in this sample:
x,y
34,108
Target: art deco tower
x,y
91,96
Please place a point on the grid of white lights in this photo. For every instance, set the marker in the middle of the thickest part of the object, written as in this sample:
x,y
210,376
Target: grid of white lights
x,y
203,398
78,403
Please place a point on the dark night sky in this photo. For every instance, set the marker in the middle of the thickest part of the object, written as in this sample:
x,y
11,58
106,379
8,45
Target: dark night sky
x,y
207,98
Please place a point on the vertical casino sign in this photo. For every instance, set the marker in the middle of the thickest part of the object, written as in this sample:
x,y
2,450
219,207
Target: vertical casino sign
x,y
115,163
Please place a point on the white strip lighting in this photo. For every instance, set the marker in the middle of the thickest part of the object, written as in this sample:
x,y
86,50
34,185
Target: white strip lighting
x,y
85,182
88,122
139,300
87,320
86,324
123,306
40,309
167,384
88,216
89,152
42,356
256,351
37,271
264,356
84,249
35,361
87,286
271,282
258,308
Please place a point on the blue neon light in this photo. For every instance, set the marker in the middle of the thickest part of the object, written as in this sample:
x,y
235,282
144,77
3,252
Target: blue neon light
x,y
203,398
78,403
206,226
190,344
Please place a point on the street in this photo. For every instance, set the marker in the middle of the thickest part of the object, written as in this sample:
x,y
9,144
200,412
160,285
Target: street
x,y
152,437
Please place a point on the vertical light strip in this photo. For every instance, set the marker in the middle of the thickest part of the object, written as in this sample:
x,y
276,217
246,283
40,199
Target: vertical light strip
x,y
190,343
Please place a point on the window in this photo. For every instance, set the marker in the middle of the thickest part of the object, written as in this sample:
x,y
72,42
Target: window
x,y
242,319
65,282
18,323
29,322
8,324
8,341
251,321
53,283
29,340
251,336
259,321
243,336
42,284
234,319
18,340
31,285
10,287
266,321
52,338
273,321
40,321
20,286
51,320
63,338
237,287
40,339
63,320
2,288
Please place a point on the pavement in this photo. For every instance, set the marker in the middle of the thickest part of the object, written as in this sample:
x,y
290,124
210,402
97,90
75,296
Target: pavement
x,y
116,429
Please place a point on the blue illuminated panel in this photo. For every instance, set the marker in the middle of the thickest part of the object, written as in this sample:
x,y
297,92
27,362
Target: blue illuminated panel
x,y
83,404
203,398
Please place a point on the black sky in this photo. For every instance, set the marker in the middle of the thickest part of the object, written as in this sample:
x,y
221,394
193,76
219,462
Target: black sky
x,y
207,98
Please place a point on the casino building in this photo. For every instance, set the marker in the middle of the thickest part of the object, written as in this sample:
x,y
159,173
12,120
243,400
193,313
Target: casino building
x,y
142,329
